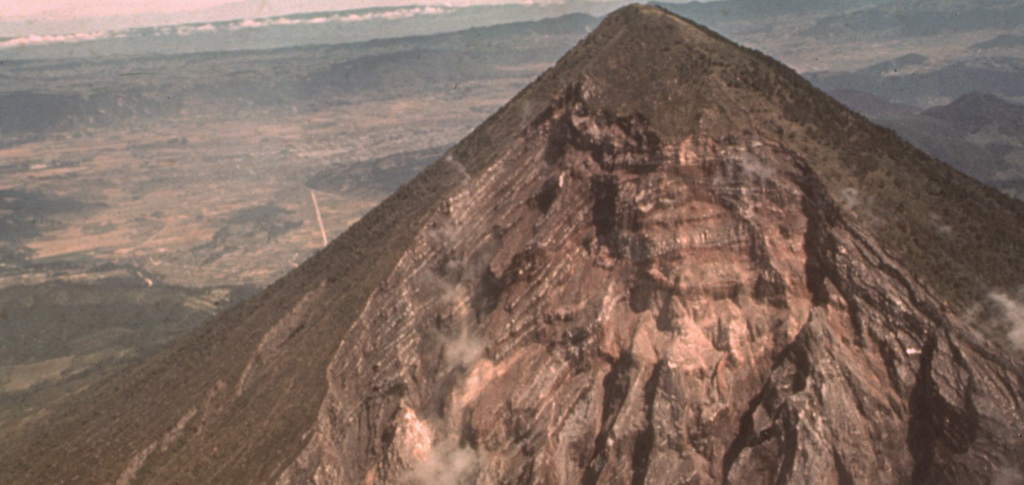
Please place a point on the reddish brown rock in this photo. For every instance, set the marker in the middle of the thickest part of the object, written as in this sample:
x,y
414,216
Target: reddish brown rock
x,y
599,306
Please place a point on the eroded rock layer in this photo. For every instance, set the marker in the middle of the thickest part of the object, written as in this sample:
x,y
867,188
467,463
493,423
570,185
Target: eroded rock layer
x,y
602,307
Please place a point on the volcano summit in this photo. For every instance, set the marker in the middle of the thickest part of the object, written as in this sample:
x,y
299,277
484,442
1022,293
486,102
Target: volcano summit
x,y
668,260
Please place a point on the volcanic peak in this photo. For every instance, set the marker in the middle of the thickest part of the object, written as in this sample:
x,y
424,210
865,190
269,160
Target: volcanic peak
x,y
607,299
667,258
683,80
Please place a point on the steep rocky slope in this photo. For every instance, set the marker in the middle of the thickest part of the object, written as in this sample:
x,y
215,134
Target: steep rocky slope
x,y
668,260
601,307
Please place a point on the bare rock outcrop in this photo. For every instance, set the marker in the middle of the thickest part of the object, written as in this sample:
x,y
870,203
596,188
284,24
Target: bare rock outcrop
x,y
603,307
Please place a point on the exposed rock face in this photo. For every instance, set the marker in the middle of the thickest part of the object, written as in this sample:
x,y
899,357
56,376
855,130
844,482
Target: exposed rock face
x,y
601,307
668,260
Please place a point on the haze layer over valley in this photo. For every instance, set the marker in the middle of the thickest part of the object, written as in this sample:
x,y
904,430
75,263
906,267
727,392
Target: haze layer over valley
x,y
193,177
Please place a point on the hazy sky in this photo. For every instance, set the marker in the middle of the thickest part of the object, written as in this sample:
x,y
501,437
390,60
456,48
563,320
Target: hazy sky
x,y
64,9
45,17
80,8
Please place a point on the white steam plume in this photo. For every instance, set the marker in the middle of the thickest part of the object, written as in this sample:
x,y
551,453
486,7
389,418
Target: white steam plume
x,y
1012,313
446,464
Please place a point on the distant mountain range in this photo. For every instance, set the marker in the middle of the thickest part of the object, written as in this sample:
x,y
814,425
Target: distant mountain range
x,y
913,80
885,17
260,31
978,134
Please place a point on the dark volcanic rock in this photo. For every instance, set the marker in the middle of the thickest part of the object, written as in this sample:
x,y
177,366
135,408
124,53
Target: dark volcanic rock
x,y
668,260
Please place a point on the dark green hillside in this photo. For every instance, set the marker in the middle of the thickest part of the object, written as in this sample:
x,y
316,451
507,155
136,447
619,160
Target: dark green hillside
x,y
975,111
